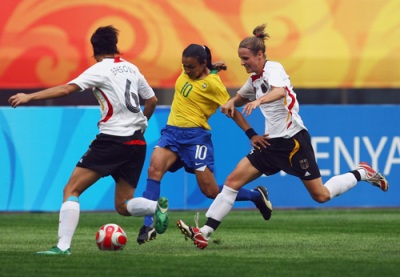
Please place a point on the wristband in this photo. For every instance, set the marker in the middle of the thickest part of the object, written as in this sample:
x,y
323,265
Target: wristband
x,y
250,133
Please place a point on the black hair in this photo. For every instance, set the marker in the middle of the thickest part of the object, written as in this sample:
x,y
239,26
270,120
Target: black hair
x,y
104,41
201,52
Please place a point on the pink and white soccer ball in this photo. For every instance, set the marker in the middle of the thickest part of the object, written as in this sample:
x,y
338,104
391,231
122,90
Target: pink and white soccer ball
x,y
111,237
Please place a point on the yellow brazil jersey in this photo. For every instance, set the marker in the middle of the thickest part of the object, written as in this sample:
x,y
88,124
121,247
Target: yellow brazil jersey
x,y
196,100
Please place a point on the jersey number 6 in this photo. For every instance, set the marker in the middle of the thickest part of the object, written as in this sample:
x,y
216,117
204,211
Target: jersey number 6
x,y
128,98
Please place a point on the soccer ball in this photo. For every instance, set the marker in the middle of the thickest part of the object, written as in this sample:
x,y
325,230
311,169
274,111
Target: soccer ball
x,y
111,237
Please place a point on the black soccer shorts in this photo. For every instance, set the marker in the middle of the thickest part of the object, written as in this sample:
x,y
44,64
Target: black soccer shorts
x,y
294,155
116,156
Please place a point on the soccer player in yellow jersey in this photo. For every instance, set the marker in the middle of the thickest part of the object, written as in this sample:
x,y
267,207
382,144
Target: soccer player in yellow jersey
x,y
196,100
186,139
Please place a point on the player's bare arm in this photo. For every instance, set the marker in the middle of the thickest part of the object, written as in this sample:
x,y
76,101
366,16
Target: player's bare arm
x,y
276,93
229,107
256,140
53,92
260,141
219,65
149,106
240,101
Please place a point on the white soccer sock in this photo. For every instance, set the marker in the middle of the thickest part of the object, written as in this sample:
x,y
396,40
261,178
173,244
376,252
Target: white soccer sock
x,y
340,184
222,204
68,221
140,206
207,231
363,174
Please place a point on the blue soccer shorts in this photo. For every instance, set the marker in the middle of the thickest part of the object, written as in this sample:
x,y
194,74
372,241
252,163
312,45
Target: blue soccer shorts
x,y
192,145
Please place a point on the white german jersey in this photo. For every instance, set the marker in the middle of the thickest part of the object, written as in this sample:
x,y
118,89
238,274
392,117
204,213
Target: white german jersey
x,y
117,85
282,117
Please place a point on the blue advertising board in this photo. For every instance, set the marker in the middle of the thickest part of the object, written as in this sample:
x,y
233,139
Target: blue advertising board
x,y
39,147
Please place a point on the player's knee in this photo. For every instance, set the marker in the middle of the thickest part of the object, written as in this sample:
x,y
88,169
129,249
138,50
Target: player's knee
x,y
210,191
320,198
151,170
69,191
122,210
232,183
155,172
211,194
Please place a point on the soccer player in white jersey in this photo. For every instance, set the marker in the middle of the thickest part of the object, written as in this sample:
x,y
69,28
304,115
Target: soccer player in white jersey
x,y
289,144
119,149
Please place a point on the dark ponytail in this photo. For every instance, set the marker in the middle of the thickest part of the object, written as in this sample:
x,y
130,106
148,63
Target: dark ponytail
x,y
201,52
208,57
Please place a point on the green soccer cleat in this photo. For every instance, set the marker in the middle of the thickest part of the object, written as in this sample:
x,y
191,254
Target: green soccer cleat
x,y
161,217
55,251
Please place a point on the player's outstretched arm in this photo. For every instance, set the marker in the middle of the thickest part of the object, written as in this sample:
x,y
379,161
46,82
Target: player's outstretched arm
x,y
229,107
275,94
53,92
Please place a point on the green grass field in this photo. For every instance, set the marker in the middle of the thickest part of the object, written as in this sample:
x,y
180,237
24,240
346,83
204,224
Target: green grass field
x,y
326,242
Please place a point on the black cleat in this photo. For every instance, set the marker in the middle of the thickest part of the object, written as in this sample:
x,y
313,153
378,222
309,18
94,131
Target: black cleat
x,y
146,233
264,205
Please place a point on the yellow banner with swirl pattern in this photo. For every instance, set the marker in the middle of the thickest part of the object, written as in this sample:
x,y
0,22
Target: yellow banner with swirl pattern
x,y
321,43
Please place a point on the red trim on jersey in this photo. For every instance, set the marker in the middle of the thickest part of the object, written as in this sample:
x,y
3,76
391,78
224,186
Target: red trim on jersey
x,y
117,59
255,77
135,142
110,107
290,107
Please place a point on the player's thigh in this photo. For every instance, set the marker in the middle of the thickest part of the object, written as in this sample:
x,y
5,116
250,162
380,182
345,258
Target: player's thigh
x,y
81,179
160,161
243,173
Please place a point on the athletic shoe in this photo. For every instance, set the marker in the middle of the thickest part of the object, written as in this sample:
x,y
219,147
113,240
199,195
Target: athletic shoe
x,y
263,204
55,251
146,233
161,217
193,233
373,177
